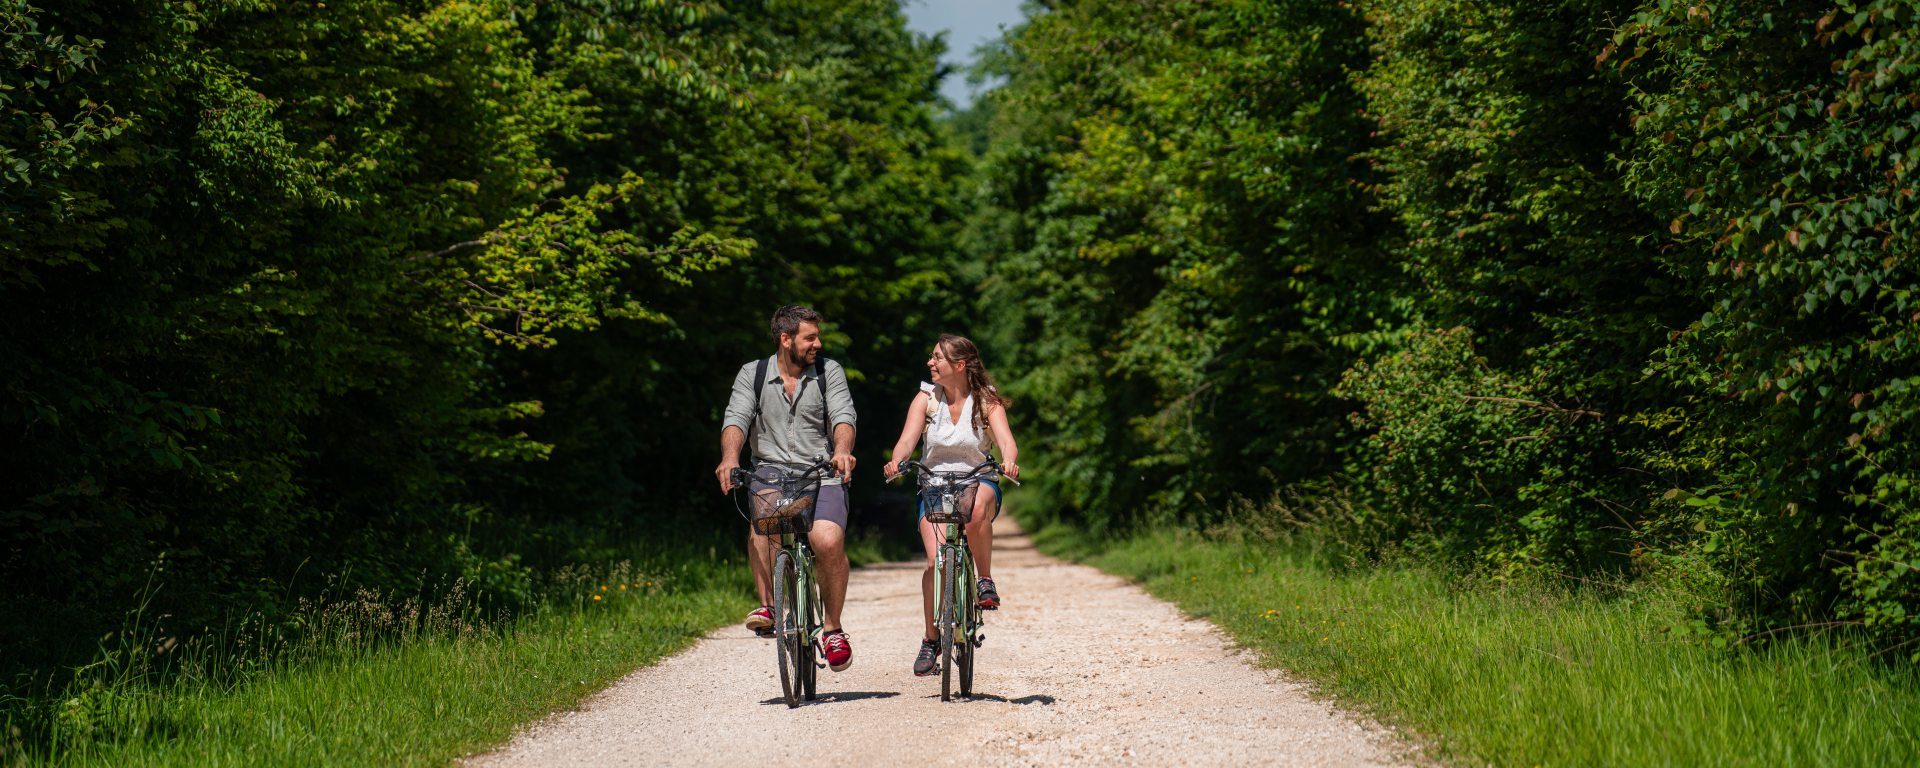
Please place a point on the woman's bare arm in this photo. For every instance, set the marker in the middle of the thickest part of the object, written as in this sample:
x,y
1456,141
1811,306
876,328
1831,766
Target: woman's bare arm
x,y
1003,436
909,434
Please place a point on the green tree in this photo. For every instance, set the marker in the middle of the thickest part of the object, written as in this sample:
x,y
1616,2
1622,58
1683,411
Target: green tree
x,y
1174,209
1776,138
404,290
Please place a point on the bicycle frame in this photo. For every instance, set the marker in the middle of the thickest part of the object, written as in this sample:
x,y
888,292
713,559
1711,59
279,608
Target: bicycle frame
x,y
957,617
799,636
796,594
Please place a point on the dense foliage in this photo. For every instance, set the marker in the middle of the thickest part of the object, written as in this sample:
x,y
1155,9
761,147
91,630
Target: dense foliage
x,y
409,291
1578,287
1174,216
1778,139
400,291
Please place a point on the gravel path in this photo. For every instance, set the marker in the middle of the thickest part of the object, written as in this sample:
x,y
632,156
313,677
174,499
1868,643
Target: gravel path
x,y
1056,684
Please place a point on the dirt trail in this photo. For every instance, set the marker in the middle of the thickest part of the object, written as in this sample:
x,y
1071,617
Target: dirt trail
x,y
1056,684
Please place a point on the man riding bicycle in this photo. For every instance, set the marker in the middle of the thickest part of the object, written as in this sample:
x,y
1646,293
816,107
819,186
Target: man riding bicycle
x,y
785,406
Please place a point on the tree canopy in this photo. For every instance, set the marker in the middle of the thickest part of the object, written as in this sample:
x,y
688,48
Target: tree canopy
x,y
1573,288
417,291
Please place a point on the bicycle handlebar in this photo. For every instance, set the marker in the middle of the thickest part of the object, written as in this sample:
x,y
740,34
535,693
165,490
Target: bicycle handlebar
x,y
741,475
955,477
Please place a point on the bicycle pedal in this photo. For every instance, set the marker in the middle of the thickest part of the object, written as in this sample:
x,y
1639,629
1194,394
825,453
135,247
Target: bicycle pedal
x,y
979,639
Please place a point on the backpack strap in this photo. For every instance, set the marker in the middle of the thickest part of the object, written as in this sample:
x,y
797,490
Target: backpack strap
x,y
826,415
759,383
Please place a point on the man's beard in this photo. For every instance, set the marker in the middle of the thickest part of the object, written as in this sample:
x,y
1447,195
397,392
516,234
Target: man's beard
x,y
795,356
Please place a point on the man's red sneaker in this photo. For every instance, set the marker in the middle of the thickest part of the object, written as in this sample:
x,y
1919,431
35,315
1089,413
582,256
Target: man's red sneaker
x,y
839,651
760,620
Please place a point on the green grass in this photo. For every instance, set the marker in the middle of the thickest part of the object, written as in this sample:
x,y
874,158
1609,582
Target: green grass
x,y
367,678
420,699
1528,676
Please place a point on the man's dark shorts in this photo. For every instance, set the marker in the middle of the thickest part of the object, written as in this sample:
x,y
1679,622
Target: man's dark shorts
x,y
831,505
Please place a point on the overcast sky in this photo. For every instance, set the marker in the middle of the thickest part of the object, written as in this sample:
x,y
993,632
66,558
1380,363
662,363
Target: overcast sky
x,y
968,23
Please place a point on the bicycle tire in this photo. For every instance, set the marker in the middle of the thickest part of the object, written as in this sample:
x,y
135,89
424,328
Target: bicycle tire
x,y
786,633
969,608
809,668
944,621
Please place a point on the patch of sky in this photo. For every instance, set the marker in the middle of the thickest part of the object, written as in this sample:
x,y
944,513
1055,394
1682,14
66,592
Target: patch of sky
x,y
969,24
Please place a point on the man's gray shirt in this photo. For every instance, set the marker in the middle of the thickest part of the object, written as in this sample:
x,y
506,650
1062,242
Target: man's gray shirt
x,y
789,431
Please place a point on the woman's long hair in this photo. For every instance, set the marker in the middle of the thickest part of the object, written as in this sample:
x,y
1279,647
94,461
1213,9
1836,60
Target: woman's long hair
x,y
958,349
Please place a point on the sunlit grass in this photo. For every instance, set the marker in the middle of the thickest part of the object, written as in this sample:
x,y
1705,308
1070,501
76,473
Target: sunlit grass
x,y
380,683
1530,676
364,677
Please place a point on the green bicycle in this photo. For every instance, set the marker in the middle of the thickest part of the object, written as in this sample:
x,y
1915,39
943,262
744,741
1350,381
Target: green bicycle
x,y
779,504
946,498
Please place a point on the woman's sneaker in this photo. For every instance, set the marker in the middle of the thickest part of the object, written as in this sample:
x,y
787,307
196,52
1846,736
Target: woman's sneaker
x,y
989,597
929,653
760,620
839,651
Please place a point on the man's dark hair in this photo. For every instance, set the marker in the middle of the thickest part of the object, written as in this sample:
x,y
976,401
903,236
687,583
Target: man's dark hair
x,y
787,320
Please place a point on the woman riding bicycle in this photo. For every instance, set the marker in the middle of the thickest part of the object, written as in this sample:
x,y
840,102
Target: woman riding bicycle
x,y
951,417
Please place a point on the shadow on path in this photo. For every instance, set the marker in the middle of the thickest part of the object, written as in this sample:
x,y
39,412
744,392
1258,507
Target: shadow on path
x,y
836,697
1037,698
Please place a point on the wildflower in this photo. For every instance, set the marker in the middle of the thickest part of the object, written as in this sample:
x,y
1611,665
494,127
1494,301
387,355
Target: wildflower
x,y
596,598
603,587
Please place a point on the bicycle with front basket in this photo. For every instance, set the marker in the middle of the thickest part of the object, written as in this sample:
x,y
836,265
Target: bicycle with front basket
x,y
947,499
778,503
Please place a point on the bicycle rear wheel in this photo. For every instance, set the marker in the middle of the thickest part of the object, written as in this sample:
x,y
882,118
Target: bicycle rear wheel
x,y
787,628
944,620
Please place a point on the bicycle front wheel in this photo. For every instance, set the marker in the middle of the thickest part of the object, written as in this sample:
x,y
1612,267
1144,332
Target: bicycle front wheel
x,y
945,618
812,650
969,611
787,626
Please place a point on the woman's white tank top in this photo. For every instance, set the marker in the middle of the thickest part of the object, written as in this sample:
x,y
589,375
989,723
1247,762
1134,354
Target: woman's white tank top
x,y
949,444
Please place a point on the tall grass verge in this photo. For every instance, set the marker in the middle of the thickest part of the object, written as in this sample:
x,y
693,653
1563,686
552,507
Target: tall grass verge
x,y
1528,675
357,676
367,677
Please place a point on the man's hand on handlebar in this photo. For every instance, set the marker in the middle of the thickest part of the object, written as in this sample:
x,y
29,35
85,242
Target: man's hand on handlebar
x,y
725,473
843,466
